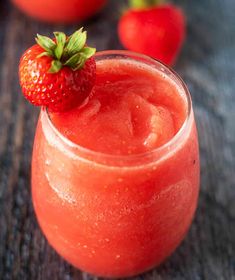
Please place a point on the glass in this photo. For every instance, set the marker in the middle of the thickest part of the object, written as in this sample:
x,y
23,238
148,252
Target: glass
x,y
116,215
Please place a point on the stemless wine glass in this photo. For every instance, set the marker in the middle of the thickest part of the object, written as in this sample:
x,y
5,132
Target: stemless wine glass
x,y
114,215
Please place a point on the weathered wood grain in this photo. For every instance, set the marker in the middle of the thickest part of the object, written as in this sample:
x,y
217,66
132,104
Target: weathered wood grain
x,y
207,64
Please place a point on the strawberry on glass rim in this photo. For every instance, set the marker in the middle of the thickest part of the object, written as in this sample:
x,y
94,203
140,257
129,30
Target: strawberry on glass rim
x,y
59,73
154,28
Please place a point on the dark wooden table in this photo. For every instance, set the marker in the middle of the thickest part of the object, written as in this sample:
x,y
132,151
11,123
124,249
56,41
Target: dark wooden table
x,y
207,64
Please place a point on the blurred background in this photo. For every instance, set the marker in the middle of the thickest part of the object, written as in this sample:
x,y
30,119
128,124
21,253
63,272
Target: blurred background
x,y
207,65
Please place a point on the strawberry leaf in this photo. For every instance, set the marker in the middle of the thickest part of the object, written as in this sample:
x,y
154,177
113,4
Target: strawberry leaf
x,y
76,62
60,43
73,61
56,66
46,43
88,52
80,64
44,54
76,42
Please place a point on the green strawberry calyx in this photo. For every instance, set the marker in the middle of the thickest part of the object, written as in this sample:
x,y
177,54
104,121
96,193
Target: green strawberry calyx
x,y
69,51
143,4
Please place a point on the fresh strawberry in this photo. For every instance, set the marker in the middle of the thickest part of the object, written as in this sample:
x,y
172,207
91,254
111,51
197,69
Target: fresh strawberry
x,y
64,11
155,30
58,73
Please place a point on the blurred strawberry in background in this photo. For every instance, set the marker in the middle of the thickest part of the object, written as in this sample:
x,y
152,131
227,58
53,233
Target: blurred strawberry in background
x,y
153,28
63,11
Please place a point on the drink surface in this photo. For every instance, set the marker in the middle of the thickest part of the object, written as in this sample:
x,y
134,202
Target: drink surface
x,y
132,109
112,219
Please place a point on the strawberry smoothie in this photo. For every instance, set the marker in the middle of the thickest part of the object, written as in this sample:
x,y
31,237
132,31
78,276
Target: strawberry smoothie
x,y
115,181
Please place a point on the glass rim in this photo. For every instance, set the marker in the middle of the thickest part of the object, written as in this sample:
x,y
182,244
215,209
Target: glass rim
x,y
96,154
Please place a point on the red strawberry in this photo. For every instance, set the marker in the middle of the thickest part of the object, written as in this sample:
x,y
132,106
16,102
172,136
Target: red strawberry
x,y
158,31
58,73
60,11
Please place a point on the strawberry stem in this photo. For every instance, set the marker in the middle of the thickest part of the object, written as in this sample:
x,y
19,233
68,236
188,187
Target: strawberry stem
x,y
69,51
142,4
